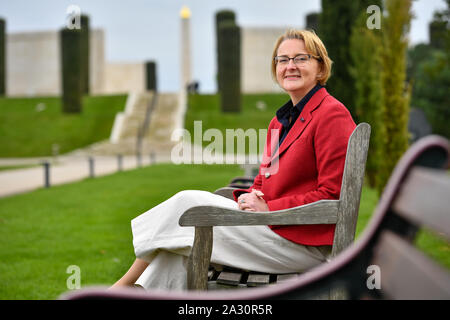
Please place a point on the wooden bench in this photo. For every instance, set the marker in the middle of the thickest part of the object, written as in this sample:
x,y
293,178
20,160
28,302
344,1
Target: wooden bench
x,y
342,212
241,182
417,195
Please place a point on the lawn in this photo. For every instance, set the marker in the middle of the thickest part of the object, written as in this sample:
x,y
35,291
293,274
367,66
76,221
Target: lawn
x,y
86,224
32,127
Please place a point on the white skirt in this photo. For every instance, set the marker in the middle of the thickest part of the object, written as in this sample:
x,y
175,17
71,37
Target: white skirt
x,y
159,240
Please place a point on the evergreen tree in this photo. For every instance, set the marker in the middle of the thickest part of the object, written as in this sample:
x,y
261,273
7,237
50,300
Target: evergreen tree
x,y
230,62
395,90
2,57
150,75
429,70
335,27
312,21
85,49
366,50
71,66
430,92
221,16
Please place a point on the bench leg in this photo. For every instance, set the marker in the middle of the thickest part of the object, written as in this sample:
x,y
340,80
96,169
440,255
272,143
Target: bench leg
x,y
198,263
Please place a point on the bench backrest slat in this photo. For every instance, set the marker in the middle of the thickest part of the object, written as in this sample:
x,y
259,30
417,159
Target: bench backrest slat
x,y
425,199
405,273
352,182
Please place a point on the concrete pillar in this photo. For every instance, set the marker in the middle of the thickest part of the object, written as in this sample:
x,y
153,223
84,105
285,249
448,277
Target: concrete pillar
x,y
185,15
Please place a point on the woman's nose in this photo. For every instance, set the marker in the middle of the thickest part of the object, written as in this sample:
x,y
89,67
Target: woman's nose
x,y
291,64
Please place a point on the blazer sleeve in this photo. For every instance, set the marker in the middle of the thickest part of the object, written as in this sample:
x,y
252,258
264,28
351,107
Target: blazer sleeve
x,y
330,146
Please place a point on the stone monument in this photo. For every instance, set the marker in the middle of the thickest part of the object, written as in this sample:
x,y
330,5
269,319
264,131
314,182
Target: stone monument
x,y
185,48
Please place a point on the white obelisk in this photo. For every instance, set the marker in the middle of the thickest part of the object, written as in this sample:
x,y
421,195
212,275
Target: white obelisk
x,y
185,47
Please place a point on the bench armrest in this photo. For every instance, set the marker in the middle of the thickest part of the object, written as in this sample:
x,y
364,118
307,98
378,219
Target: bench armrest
x,y
203,218
320,212
242,179
226,192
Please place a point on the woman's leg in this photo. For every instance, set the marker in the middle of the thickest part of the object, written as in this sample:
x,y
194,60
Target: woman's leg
x,y
158,228
135,271
167,271
157,237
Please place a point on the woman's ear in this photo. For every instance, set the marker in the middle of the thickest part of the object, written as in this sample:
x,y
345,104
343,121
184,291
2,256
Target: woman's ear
x,y
320,73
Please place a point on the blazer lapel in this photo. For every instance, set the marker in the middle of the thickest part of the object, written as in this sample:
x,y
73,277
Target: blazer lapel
x,y
302,121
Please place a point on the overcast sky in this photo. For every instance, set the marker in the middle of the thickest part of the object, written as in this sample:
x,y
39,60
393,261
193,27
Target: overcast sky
x,y
141,30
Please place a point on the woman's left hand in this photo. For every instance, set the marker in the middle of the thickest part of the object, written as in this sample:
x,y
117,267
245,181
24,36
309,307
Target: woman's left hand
x,y
252,201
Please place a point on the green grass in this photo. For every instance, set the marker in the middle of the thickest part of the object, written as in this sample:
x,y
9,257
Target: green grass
x,y
29,127
368,202
15,167
86,224
207,109
435,246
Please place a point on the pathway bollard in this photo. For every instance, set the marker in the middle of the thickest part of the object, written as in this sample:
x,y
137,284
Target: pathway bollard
x,y
46,166
152,157
138,159
119,162
91,167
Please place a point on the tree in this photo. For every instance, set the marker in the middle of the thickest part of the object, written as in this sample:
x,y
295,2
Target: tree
x,y
439,29
71,66
335,26
396,93
150,75
430,73
312,21
85,49
366,51
2,57
230,66
221,16
430,91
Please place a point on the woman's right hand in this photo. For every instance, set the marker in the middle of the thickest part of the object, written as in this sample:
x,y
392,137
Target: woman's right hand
x,y
252,201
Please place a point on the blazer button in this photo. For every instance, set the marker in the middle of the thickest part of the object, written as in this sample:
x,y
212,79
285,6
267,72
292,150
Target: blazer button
x,y
267,175
302,120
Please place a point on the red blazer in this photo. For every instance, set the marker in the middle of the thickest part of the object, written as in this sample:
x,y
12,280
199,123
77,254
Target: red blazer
x,y
308,165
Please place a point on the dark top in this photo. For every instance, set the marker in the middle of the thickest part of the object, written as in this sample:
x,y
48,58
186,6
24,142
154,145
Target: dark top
x,y
289,111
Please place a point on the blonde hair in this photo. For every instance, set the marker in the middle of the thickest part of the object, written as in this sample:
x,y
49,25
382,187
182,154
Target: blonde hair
x,y
313,45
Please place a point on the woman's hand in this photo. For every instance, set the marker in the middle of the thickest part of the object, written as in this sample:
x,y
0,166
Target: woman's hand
x,y
252,201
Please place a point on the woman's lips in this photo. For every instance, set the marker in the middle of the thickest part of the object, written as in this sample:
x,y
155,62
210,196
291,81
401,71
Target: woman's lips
x,y
292,77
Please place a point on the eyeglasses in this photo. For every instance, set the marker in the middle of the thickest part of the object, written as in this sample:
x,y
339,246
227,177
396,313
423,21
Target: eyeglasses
x,y
299,59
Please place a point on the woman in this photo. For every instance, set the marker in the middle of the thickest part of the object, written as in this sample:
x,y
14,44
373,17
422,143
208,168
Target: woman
x,y
306,165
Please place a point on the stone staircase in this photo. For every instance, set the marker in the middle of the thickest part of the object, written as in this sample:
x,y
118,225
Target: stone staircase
x,y
128,123
164,118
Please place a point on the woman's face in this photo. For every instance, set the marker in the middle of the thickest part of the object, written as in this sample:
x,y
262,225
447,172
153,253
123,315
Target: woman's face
x,y
296,79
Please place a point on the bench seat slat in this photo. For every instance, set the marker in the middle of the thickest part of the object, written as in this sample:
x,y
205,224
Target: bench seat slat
x,y
425,199
286,277
255,280
229,278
